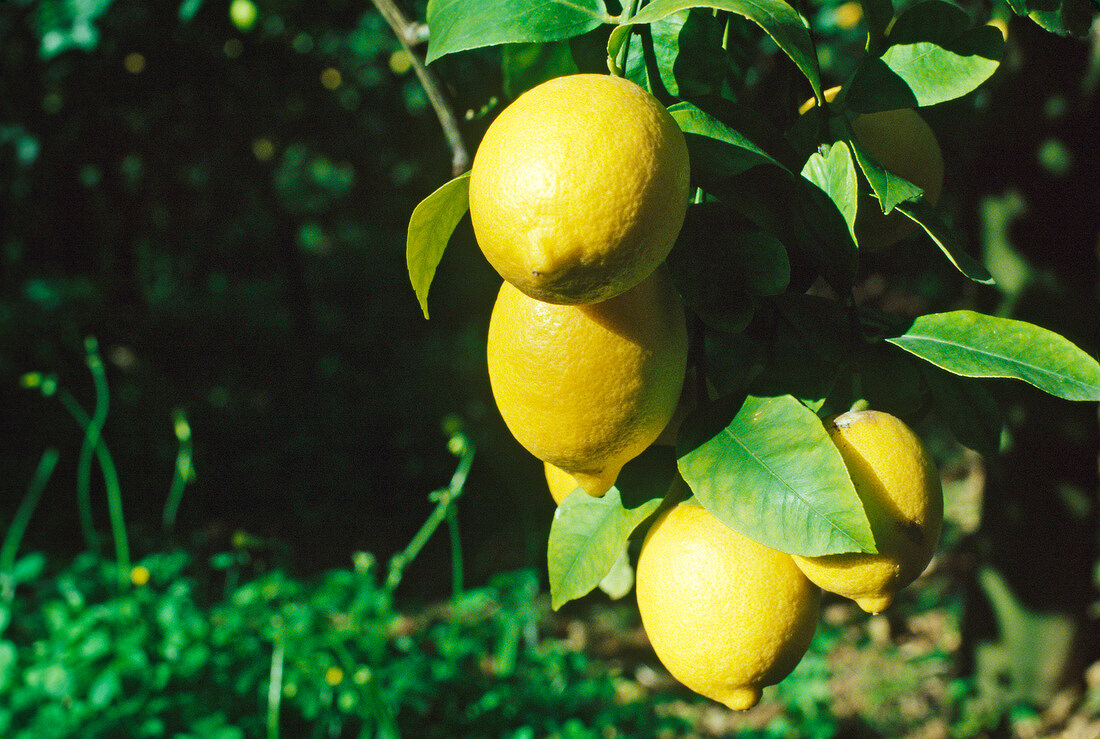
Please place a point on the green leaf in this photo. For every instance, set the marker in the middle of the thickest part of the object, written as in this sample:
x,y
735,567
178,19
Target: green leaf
x,y
890,189
810,346
679,56
527,65
586,537
968,408
978,345
721,261
458,25
946,239
774,475
717,151
778,19
835,174
935,54
430,228
1068,18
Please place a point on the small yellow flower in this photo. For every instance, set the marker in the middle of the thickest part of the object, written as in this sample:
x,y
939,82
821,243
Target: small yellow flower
x,y
139,575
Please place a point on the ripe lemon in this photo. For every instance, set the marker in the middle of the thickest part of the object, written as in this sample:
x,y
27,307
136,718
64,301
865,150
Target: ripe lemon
x,y
579,188
560,482
900,489
588,387
903,143
727,616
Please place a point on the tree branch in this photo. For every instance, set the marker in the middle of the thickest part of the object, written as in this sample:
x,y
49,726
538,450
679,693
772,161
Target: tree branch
x,y
409,34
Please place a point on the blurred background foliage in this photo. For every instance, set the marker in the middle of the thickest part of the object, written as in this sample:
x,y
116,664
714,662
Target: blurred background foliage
x,y
218,192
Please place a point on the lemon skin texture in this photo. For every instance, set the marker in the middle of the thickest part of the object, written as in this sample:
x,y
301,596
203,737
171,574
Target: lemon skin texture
x,y
579,188
903,143
726,616
899,486
588,387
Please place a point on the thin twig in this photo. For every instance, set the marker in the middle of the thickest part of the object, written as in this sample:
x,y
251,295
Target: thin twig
x,y
407,35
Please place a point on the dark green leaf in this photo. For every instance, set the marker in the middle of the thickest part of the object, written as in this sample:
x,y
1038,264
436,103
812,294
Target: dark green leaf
x,y
878,14
978,345
1068,18
801,216
527,65
947,240
774,475
836,175
890,189
809,346
587,536
717,151
891,381
430,228
778,19
968,408
458,25
721,260
679,56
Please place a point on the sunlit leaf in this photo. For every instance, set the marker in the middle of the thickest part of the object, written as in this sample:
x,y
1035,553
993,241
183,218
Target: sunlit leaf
x,y
946,239
890,188
772,474
778,19
586,538
836,175
430,228
977,345
458,25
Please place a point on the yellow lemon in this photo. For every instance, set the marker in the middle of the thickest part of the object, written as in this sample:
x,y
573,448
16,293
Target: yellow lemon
x,y
899,487
560,482
579,188
727,616
588,387
903,143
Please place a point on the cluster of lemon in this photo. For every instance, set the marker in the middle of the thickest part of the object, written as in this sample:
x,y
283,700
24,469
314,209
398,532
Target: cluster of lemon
x,y
577,193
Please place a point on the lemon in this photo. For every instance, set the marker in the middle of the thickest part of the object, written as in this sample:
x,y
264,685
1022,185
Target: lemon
x,y
899,487
588,387
727,616
579,188
903,143
560,482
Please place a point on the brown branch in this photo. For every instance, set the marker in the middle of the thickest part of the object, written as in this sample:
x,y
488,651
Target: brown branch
x,y
409,34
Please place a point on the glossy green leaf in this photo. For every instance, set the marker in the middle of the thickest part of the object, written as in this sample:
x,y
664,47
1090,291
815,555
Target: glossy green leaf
x,y
836,175
430,228
890,189
773,474
586,537
778,19
717,150
934,53
679,56
947,240
978,345
968,408
458,25
1067,18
